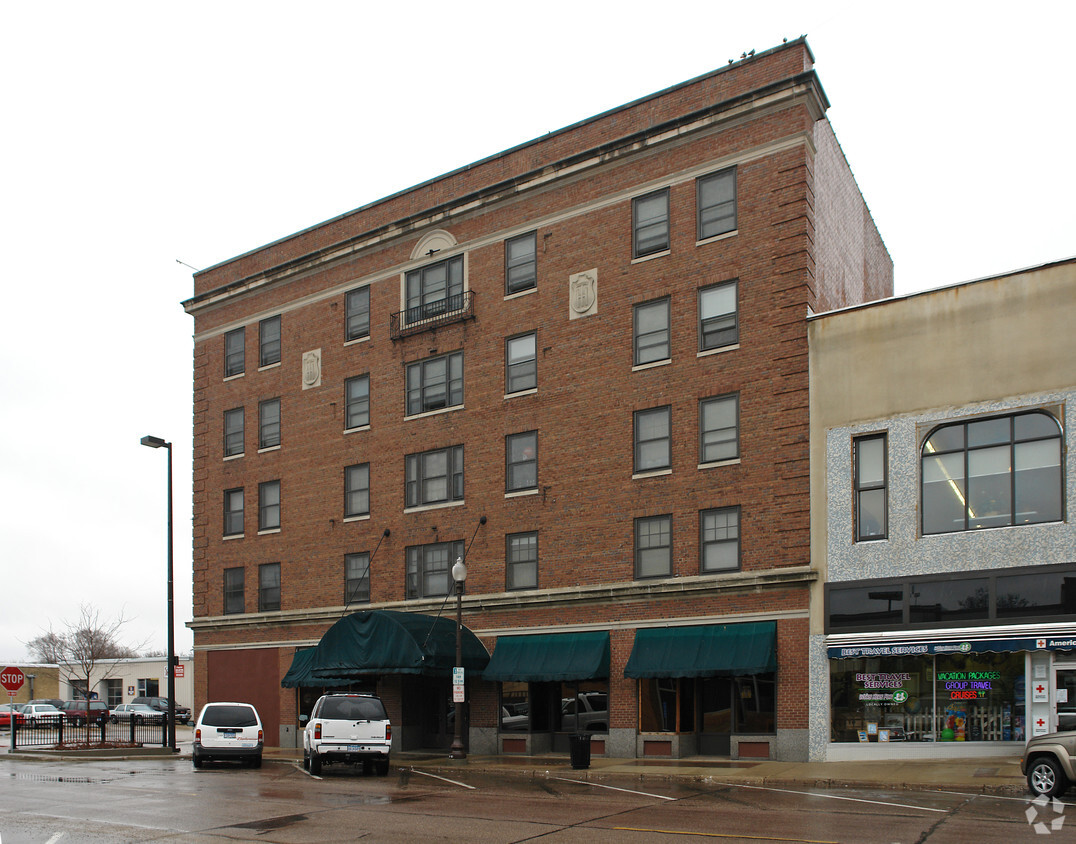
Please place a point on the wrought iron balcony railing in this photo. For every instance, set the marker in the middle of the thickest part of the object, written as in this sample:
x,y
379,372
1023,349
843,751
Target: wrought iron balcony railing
x,y
432,315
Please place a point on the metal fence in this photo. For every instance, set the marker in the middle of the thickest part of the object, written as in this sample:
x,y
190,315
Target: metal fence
x,y
60,732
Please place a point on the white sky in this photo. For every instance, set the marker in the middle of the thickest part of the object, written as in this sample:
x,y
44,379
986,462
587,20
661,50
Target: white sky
x,y
136,134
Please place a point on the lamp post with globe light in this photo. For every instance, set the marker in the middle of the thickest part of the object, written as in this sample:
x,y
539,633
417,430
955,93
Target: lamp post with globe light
x,y
459,575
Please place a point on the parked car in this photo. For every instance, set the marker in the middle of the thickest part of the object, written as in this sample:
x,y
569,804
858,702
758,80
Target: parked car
x,y
183,713
347,728
77,711
9,711
593,713
228,730
42,715
59,704
137,712
1049,763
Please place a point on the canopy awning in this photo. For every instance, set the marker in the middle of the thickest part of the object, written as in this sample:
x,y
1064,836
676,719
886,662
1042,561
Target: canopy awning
x,y
550,656
711,650
385,642
299,673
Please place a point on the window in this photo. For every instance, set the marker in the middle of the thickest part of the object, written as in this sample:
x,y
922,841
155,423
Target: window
x,y
269,423
357,490
356,579
653,546
269,505
234,360
269,587
717,204
653,442
233,432
719,539
719,429
435,289
233,591
434,477
357,402
150,686
869,481
113,692
650,332
269,341
520,263
521,555
521,363
718,319
650,223
357,314
992,472
435,383
233,512
429,567
521,461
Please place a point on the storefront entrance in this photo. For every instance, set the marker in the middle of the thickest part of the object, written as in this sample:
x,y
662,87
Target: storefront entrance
x,y
1065,695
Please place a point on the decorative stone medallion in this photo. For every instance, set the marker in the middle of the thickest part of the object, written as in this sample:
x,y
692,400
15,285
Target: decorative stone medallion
x,y
583,294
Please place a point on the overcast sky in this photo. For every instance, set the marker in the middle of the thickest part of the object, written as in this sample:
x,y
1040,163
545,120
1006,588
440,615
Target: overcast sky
x,y
136,134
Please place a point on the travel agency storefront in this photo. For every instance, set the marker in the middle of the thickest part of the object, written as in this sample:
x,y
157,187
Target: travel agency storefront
x,y
956,691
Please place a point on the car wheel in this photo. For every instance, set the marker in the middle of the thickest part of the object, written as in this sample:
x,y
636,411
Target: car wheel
x,y
256,761
382,768
1045,777
306,760
315,763
197,760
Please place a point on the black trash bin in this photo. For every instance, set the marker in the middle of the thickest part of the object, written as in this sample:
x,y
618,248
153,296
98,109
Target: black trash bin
x,y
579,748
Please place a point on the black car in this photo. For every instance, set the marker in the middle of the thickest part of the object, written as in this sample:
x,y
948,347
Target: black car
x,y
183,713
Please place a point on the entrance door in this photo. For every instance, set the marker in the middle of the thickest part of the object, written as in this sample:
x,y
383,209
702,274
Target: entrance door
x,y
1065,695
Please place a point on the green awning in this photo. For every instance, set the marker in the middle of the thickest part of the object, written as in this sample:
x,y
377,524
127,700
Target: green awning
x,y
299,673
388,642
550,656
711,650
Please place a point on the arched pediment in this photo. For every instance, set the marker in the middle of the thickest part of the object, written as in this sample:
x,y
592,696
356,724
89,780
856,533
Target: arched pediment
x,y
438,241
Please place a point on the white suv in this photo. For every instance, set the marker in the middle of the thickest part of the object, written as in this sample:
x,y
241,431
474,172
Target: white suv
x,y
347,728
228,730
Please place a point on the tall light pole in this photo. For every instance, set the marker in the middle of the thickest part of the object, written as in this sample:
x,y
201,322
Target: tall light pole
x,y
157,442
459,575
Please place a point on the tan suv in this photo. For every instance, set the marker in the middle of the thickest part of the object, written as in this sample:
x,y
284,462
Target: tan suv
x,y
1049,763
347,728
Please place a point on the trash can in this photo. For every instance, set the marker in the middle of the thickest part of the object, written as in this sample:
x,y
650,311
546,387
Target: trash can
x,y
579,748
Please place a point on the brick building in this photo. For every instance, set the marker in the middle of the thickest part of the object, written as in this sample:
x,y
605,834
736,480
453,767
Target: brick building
x,y
581,364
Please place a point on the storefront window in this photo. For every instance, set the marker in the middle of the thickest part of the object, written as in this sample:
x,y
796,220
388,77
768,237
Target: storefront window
x,y
515,707
580,706
724,704
947,697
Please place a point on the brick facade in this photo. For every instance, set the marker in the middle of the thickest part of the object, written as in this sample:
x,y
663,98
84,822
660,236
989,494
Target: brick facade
x,y
803,238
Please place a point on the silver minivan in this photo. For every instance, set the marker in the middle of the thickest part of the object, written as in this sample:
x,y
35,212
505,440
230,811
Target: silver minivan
x,y
228,730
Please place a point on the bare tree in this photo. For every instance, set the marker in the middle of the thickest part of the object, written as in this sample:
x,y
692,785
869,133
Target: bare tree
x,y
48,647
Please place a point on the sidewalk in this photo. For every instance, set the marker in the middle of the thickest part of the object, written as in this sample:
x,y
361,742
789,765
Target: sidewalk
x,y
992,775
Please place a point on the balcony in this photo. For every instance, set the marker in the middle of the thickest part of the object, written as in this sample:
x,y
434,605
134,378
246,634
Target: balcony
x,y
432,315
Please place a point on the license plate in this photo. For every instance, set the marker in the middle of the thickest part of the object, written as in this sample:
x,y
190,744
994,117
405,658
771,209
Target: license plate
x,y
354,748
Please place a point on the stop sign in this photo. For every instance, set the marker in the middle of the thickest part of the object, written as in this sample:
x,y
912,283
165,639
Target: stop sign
x,y
12,679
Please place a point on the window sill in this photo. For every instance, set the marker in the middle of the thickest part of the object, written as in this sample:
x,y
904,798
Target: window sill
x,y
268,531
732,461
643,258
422,508
233,377
639,367
364,517
437,412
275,365
356,340
717,237
268,448
707,352
234,456
230,536
656,473
356,429
521,493
518,293
520,393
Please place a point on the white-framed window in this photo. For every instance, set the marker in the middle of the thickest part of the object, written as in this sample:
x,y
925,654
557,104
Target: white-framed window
x,y
869,458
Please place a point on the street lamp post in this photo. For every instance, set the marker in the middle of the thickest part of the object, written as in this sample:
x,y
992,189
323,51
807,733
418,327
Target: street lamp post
x,y
157,442
459,575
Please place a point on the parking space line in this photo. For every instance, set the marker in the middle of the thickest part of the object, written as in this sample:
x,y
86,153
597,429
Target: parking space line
x,y
443,779
722,835
613,788
835,797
